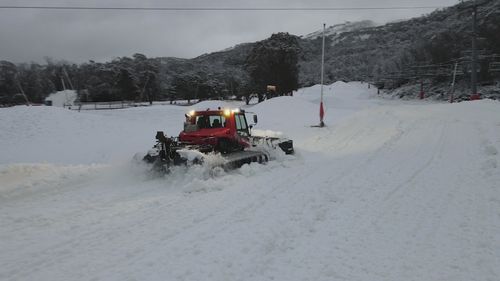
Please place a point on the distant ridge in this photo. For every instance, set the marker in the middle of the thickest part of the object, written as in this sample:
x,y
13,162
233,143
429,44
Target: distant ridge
x,y
337,29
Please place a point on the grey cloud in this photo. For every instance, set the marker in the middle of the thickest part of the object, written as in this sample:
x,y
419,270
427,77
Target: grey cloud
x,y
78,36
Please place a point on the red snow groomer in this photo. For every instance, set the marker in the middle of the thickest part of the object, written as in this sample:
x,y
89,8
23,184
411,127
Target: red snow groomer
x,y
221,131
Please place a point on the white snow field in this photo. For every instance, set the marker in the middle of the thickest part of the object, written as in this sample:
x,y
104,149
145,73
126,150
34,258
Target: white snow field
x,y
390,190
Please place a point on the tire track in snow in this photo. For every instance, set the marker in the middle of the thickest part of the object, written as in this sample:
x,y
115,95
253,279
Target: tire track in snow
x,y
366,219
421,227
310,215
438,147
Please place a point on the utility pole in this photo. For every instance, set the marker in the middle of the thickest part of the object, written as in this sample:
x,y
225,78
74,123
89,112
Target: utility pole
x,y
63,84
452,92
422,94
144,88
67,77
18,84
474,51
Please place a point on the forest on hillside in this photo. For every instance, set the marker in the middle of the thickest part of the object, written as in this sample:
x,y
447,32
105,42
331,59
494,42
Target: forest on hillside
x,y
390,56
270,62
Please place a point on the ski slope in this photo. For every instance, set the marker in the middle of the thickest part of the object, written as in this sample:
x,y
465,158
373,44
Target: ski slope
x,y
389,190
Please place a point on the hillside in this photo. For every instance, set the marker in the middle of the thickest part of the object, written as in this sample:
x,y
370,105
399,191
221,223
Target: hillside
x,y
396,57
363,51
388,52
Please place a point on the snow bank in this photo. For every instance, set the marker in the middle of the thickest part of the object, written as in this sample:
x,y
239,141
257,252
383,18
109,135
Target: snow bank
x,y
214,104
340,94
294,116
25,179
56,135
284,113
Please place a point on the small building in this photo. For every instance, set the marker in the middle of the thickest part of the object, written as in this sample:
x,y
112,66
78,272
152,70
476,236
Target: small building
x,y
64,98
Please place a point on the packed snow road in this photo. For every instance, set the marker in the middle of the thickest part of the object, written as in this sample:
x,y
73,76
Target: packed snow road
x,y
390,190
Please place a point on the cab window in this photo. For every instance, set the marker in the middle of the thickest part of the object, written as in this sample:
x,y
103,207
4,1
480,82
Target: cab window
x,y
210,121
217,121
241,123
202,122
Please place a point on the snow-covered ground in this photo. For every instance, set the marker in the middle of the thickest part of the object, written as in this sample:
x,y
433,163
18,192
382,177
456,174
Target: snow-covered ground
x,y
389,190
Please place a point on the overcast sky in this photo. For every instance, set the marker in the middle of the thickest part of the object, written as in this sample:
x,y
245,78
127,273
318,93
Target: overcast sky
x,y
79,36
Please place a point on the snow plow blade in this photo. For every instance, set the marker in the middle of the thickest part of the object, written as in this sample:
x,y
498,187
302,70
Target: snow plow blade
x,y
238,159
284,144
169,152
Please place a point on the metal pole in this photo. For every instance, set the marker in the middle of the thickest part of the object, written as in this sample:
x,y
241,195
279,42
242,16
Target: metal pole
x,y
322,63
143,89
63,84
452,93
18,83
422,95
321,113
69,80
474,52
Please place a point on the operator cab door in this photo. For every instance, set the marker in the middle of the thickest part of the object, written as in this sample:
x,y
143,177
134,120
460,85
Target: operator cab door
x,y
241,125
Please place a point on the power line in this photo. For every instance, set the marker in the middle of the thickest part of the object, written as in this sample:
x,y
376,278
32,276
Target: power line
x,y
217,8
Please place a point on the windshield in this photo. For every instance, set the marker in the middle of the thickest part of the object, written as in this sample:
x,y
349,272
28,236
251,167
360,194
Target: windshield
x,y
210,121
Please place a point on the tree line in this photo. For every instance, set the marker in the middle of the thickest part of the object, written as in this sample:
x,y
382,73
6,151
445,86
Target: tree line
x,y
273,61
